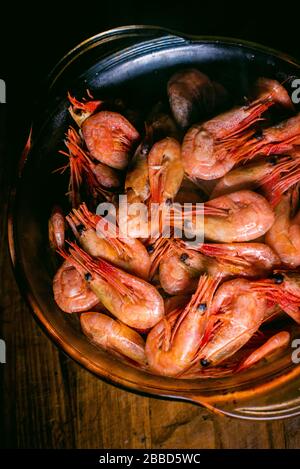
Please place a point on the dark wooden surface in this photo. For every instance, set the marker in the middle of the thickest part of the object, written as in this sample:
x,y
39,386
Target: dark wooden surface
x,y
48,401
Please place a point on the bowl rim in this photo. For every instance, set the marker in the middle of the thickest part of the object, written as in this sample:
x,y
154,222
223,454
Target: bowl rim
x,y
212,402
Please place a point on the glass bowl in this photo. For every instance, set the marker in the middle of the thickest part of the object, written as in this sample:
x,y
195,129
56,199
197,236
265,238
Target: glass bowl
x,y
136,62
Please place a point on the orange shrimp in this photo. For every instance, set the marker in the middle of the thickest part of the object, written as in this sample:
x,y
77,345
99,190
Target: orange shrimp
x,y
127,253
282,289
154,181
56,228
130,299
211,149
110,138
284,235
180,268
165,170
71,292
277,342
158,126
249,355
114,336
249,216
237,313
84,173
173,344
279,139
137,176
274,176
105,176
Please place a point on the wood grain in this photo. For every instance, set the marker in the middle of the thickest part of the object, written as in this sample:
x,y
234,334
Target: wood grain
x,y
48,401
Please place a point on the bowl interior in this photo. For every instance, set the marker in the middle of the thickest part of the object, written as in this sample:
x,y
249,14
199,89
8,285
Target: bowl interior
x,y
139,74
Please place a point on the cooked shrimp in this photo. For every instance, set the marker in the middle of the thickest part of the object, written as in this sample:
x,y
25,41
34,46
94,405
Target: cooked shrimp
x,y
180,268
275,185
282,289
211,149
158,126
284,235
84,173
193,96
109,138
127,253
249,259
249,216
137,176
273,344
173,344
56,228
71,292
165,170
237,313
106,176
112,335
279,139
273,176
130,299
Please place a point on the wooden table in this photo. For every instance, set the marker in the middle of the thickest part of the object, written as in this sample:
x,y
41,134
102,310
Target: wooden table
x,y
48,401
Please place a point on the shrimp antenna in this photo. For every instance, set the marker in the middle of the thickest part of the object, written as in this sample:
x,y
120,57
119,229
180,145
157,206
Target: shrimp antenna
x,y
204,294
109,273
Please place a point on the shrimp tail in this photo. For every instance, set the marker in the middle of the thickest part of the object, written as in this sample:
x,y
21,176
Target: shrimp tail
x,y
272,345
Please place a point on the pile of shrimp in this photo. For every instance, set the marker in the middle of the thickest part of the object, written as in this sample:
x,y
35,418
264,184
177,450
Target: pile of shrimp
x,y
160,303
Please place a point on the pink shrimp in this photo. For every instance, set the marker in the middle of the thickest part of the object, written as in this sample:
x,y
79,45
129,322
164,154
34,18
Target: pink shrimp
x,y
165,170
93,233
84,173
173,344
279,139
273,176
110,138
277,342
180,268
57,228
284,235
114,336
211,149
71,292
249,216
283,289
237,313
130,299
